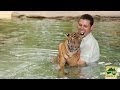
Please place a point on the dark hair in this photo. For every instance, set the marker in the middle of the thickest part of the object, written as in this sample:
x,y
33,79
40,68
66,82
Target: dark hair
x,y
88,17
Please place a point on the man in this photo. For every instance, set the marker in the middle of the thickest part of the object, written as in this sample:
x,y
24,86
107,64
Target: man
x,y
89,45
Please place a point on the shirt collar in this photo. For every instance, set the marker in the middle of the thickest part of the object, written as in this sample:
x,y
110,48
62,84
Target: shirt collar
x,y
88,36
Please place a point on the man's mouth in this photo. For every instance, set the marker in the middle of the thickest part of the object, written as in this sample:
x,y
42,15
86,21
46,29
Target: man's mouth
x,y
82,32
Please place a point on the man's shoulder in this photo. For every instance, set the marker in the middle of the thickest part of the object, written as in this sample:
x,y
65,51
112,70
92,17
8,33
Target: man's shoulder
x,y
92,39
89,41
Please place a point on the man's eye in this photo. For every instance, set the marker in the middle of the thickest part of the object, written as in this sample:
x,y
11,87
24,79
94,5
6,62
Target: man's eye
x,y
80,25
85,26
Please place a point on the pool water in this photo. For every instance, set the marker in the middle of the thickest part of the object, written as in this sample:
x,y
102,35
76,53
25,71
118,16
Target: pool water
x,y
28,46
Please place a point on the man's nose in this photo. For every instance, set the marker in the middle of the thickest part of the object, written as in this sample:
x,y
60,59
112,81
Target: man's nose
x,y
82,27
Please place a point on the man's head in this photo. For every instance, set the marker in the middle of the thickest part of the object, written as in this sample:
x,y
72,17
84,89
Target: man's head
x,y
85,24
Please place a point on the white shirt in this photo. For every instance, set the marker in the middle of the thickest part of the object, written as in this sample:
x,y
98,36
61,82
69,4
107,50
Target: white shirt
x,y
89,49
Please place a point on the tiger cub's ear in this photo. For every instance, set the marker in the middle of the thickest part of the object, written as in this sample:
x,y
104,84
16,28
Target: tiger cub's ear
x,y
67,34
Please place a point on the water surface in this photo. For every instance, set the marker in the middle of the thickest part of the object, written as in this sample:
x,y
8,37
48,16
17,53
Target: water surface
x,y
27,47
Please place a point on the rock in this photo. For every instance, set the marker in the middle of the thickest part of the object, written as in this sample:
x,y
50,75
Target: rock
x,y
63,15
97,17
17,15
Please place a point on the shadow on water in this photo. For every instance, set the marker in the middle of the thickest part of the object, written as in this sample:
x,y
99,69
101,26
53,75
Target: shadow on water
x,y
27,47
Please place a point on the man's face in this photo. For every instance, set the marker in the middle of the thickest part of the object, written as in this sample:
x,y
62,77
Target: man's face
x,y
84,27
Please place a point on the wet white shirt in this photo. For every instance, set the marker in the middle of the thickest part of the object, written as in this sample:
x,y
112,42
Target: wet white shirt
x,y
89,49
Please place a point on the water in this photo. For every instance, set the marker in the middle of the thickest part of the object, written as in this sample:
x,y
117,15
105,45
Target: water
x,y
28,46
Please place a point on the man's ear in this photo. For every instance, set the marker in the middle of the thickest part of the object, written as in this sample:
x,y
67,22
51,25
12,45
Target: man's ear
x,y
92,27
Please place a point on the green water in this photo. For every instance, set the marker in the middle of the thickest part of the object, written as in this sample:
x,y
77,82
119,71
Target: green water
x,y
28,46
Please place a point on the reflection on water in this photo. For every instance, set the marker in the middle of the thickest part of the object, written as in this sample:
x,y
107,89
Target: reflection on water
x,y
27,47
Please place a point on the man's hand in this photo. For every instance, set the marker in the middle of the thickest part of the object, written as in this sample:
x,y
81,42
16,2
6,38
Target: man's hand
x,y
81,63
